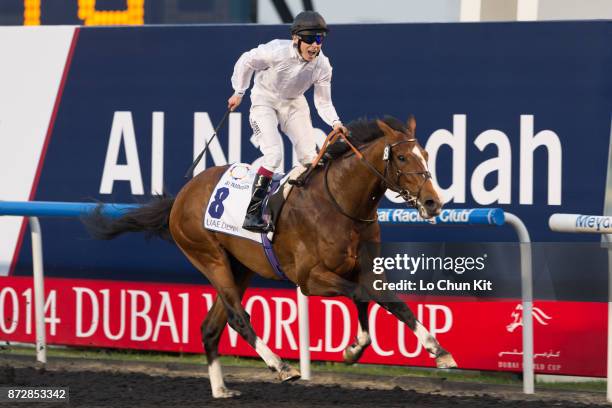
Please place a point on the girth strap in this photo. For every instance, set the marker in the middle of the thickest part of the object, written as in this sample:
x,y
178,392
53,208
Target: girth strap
x,y
267,244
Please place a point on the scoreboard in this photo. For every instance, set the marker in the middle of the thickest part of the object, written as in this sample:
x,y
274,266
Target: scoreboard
x,y
125,12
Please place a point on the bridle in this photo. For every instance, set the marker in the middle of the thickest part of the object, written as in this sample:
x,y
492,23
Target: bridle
x,y
410,198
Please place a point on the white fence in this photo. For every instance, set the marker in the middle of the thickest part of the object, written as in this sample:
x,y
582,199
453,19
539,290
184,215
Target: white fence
x,y
592,224
455,217
33,210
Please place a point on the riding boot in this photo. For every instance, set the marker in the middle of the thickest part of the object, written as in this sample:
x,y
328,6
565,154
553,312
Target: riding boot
x,y
254,217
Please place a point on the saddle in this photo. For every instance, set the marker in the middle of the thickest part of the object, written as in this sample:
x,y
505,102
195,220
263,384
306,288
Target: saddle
x,y
273,205
279,191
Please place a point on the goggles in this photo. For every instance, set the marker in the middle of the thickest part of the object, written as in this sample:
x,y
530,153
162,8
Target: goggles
x,y
312,38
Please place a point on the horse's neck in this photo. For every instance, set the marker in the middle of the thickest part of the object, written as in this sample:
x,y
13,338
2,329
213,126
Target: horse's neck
x,y
355,186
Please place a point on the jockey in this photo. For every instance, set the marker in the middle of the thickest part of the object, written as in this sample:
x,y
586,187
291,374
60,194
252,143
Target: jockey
x,y
284,70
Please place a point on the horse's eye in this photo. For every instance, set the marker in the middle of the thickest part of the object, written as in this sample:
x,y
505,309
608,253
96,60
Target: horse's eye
x,y
401,157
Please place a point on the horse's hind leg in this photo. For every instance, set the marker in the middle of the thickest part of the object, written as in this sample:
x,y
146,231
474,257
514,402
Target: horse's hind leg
x,y
354,352
212,328
240,321
215,266
211,332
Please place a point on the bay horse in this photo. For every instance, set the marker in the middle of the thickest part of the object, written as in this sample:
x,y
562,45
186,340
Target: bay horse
x,y
320,238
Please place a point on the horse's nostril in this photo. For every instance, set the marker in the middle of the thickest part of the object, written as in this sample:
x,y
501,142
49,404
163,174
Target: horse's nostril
x,y
430,204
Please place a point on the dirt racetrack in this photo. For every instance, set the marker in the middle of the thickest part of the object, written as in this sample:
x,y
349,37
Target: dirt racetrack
x,y
118,384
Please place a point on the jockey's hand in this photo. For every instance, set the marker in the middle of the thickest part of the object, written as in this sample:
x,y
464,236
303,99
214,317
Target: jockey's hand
x,y
233,102
339,126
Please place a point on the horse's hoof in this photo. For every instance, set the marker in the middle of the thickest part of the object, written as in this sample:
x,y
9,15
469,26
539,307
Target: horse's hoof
x,y
352,353
288,373
446,360
223,392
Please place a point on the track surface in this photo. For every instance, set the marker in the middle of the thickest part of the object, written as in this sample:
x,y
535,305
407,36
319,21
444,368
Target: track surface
x,y
116,387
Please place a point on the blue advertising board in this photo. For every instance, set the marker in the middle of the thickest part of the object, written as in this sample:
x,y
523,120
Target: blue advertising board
x,y
515,115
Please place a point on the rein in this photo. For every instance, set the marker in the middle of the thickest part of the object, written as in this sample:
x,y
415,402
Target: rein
x,y
411,199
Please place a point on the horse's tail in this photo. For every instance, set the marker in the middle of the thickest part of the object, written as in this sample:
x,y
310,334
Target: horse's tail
x,y
151,218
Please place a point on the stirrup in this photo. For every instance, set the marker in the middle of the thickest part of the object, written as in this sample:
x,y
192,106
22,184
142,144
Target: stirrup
x,y
260,228
298,182
301,180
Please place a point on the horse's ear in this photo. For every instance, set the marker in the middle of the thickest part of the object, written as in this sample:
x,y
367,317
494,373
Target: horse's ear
x,y
387,130
411,125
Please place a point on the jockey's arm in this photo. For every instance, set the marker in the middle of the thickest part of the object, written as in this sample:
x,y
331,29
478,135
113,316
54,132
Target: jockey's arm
x,y
323,102
256,59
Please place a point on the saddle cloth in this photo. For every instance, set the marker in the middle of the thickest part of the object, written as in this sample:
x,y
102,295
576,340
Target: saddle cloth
x,y
229,201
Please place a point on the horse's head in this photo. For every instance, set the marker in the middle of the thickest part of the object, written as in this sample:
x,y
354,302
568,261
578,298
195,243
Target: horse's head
x,y
406,169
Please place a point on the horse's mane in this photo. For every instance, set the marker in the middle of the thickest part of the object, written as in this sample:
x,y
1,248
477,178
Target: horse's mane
x,y
363,131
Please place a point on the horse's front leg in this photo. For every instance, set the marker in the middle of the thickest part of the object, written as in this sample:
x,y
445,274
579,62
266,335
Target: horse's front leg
x,y
396,306
399,309
323,282
354,352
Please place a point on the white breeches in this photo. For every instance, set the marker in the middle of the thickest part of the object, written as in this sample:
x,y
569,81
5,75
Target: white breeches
x,y
294,120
